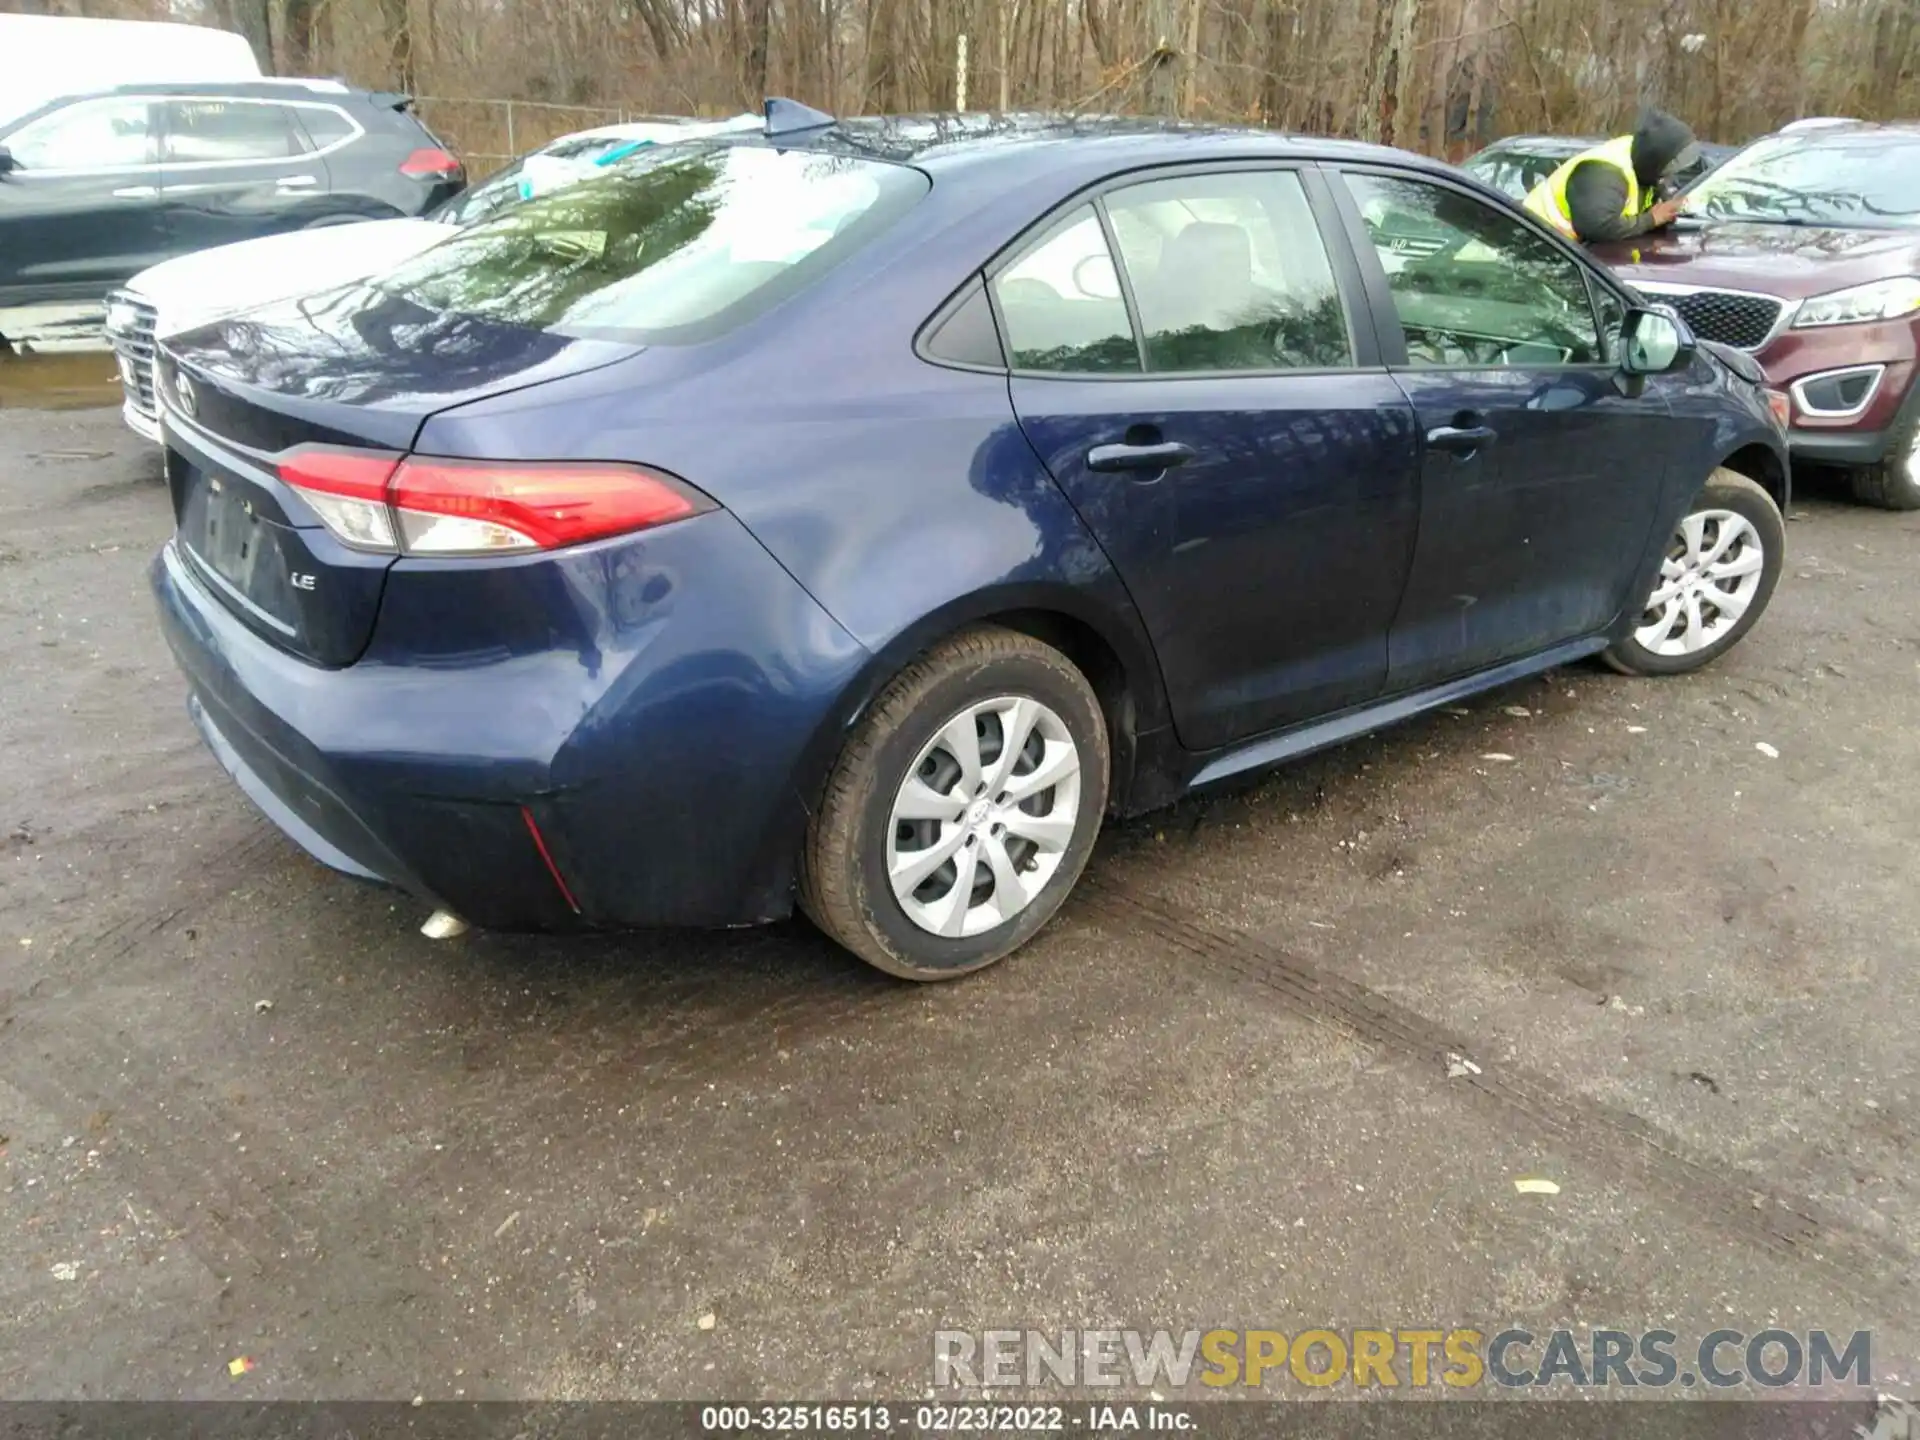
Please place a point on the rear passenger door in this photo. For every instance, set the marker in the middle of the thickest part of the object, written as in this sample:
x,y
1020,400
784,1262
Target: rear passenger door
x,y
1226,431
1540,478
232,169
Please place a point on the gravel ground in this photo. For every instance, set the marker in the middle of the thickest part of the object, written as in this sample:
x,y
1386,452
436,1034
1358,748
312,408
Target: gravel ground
x,y
247,1110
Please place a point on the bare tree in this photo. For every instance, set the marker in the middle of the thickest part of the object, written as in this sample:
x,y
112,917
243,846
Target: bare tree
x,y
1438,75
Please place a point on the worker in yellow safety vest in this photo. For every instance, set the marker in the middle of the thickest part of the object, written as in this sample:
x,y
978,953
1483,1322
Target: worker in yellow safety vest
x,y
1615,191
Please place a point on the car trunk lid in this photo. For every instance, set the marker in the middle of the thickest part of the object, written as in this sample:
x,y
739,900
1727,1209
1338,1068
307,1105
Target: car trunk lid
x,y
242,395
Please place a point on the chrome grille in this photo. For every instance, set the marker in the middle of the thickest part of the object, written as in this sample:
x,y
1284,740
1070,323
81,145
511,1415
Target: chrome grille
x,y
130,327
1730,317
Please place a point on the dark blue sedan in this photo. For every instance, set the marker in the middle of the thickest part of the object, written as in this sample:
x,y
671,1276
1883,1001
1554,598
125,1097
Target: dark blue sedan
x,y
857,514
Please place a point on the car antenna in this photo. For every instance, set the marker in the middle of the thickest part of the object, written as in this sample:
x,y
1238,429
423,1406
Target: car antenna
x,y
789,117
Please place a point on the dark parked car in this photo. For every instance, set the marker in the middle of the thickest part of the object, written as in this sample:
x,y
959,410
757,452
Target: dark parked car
x,y
861,513
1805,252
95,188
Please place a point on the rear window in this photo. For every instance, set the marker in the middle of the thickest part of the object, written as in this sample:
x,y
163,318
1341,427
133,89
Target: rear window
x,y
672,248
325,124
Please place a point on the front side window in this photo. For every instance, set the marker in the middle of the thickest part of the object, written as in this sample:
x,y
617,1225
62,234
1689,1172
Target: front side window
x,y
201,132
666,251
1485,289
1229,273
1061,306
93,135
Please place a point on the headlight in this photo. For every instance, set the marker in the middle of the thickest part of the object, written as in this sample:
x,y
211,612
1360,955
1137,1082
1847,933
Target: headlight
x,y
1882,300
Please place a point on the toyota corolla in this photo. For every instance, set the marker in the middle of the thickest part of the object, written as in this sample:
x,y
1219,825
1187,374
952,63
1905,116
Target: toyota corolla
x,y
855,515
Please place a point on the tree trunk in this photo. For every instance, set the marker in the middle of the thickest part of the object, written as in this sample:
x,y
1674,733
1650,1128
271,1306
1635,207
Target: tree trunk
x,y
759,40
1393,54
1007,8
1163,63
1190,57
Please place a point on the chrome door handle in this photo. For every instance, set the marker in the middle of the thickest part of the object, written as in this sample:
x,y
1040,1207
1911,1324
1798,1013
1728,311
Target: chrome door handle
x,y
298,182
137,192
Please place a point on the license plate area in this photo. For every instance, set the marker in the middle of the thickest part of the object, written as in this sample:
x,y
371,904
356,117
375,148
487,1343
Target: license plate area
x,y
224,532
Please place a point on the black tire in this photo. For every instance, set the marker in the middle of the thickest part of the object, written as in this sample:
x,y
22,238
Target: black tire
x,y
843,872
1894,484
1724,490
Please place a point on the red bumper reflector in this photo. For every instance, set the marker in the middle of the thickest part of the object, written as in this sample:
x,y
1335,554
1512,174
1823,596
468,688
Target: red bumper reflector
x,y
540,844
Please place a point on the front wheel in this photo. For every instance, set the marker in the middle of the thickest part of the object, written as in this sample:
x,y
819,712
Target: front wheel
x,y
1894,484
1715,581
962,809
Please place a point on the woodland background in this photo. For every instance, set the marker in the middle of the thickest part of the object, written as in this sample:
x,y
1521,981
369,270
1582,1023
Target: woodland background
x,y
1441,76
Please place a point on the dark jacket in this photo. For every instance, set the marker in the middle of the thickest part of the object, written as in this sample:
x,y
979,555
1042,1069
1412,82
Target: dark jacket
x,y
1597,193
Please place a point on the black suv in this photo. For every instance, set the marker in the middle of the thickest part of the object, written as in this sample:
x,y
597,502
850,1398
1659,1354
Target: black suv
x,y
96,187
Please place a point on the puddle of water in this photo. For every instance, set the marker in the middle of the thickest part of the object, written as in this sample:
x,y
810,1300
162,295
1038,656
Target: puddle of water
x,y
60,381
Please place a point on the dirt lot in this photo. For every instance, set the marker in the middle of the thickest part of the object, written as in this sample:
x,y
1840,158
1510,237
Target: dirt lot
x,y
247,1110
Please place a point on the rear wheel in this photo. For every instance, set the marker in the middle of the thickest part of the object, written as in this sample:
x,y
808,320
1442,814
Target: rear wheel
x,y
1715,581
962,810
1894,484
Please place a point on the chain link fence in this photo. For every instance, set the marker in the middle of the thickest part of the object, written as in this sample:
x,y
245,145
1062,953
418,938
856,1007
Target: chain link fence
x,y
486,134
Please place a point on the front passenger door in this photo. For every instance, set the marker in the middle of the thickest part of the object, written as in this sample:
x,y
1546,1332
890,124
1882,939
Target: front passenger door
x,y
1539,479
233,169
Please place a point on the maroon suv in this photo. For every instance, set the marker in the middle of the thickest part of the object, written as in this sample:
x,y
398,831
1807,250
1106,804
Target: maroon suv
x,y
1804,250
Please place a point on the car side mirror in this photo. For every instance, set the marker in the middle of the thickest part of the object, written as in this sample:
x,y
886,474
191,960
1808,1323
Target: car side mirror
x,y
1654,340
7,163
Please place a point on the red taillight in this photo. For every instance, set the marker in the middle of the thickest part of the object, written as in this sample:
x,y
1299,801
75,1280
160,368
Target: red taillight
x,y
547,505
426,506
430,164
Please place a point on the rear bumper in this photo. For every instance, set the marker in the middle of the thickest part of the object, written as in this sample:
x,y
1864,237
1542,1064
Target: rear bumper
x,y
661,756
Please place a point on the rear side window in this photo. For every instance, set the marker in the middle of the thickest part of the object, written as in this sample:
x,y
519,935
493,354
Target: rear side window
x,y
325,125
201,132
664,248
1061,305
1229,273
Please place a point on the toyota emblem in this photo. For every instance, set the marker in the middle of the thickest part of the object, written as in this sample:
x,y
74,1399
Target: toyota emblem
x,y
183,388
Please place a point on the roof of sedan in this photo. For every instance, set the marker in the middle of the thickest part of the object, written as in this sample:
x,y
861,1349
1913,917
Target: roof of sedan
x,y
1044,141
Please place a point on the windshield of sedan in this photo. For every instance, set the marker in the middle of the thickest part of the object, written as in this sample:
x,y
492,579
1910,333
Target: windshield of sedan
x,y
670,246
1847,178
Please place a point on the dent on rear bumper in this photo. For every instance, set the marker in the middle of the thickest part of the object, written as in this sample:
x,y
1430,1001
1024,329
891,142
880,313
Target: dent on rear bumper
x,y
648,700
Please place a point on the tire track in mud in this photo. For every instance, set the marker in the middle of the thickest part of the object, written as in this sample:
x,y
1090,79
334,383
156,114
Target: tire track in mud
x,y
1733,1201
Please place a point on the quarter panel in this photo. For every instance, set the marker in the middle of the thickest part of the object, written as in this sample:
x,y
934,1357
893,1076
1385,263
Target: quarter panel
x,y
902,495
